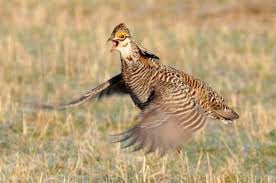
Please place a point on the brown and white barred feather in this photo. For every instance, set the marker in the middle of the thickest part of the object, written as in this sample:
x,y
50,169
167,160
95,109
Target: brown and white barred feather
x,y
174,105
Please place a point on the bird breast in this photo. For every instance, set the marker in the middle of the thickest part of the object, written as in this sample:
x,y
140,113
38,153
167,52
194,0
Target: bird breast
x,y
139,83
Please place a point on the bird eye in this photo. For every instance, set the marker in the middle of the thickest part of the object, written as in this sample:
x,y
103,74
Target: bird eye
x,y
122,36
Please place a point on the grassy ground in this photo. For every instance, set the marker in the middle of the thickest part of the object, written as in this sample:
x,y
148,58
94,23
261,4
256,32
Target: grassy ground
x,y
52,51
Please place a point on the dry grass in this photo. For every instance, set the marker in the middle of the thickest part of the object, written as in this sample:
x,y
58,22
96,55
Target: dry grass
x,y
51,51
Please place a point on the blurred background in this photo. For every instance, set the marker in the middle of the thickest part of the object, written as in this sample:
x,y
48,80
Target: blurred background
x,y
53,51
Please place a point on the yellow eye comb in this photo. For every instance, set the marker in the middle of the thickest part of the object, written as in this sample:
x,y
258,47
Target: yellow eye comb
x,y
121,34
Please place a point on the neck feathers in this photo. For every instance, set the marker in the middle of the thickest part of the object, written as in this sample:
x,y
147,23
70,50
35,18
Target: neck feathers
x,y
135,52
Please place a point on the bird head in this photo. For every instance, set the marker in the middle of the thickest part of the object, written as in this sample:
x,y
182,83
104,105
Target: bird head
x,y
120,38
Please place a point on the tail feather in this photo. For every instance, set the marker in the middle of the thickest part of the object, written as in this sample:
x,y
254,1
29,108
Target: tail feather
x,y
226,114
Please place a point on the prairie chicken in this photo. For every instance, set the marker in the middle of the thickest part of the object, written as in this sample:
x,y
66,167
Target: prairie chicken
x,y
174,105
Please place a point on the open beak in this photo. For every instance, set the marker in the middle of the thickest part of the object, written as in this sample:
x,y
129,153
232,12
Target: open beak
x,y
114,43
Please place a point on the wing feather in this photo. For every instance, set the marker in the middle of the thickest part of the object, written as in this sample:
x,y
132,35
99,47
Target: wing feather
x,y
164,126
114,85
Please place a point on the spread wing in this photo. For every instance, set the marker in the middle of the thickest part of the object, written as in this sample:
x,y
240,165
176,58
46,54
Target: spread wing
x,y
114,85
164,125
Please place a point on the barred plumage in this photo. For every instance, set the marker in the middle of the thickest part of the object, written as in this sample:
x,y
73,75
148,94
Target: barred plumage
x,y
174,105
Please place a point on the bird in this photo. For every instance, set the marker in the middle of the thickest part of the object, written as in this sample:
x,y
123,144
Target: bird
x,y
173,105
